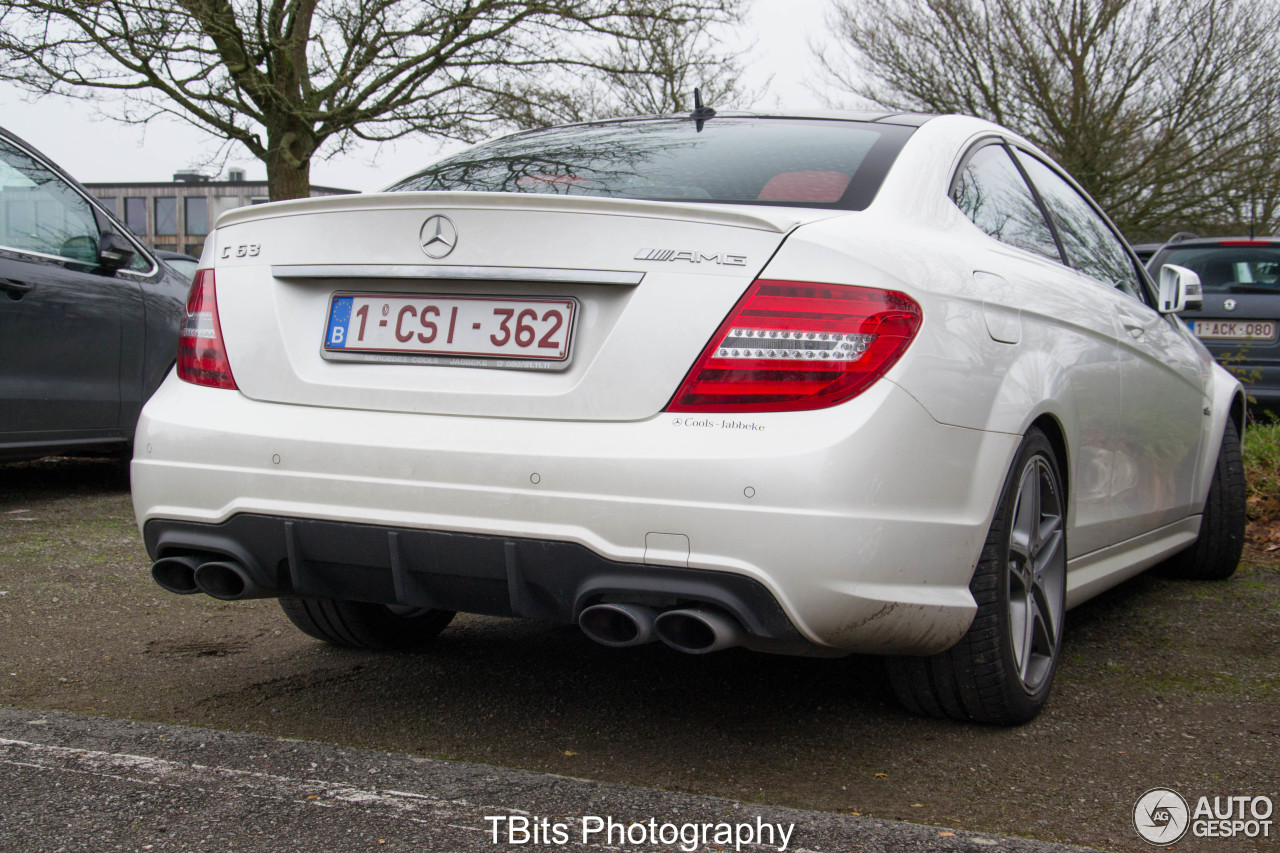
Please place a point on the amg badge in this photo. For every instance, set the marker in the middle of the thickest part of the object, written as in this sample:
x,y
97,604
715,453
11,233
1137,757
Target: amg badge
x,y
691,256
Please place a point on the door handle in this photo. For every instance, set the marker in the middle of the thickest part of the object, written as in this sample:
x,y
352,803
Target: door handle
x,y
1135,325
1135,330
15,289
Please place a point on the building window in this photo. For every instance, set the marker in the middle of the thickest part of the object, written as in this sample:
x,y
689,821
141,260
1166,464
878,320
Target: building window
x,y
135,215
109,202
196,212
167,216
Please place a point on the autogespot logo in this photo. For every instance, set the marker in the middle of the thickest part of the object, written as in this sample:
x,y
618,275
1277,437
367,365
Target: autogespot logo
x,y
1161,816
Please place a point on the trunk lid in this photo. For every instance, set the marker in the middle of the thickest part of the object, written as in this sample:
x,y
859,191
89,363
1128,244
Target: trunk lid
x,y
641,286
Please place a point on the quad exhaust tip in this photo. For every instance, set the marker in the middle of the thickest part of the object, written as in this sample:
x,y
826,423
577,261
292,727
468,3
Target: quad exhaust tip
x,y
228,581
698,630
176,574
618,625
221,578
694,631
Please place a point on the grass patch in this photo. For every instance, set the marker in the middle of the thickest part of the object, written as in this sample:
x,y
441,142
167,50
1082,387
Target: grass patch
x,y
1216,684
1262,470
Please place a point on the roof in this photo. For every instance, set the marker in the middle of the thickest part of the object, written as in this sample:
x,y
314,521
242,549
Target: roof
x,y
881,116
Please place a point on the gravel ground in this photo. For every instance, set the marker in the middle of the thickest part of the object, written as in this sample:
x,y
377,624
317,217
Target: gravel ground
x,y
1164,683
107,785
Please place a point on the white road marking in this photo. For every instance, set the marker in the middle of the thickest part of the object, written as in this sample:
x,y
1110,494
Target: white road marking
x,y
143,770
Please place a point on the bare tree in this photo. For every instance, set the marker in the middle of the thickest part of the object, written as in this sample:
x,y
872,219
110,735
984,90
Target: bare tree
x,y
1160,108
293,79
652,70
664,61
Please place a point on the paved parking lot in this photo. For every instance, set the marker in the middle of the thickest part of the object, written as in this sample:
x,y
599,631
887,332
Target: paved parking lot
x,y
1164,684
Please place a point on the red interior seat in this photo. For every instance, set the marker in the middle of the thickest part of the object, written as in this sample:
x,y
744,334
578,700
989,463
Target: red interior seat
x,y
825,187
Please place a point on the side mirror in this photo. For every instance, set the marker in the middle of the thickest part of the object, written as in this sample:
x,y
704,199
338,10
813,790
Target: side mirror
x,y
114,252
1179,290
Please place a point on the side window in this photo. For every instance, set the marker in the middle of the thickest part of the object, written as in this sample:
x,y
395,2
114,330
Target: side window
x,y
991,191
39,212
1091,246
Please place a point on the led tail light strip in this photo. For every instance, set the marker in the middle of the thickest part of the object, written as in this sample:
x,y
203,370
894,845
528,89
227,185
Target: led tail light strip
x,y
789,346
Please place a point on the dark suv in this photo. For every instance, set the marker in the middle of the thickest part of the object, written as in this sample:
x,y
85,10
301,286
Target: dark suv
x,y
1241,312
88,317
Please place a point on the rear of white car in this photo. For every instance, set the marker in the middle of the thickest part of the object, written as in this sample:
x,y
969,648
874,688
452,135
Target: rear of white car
x,y
581,462
583,472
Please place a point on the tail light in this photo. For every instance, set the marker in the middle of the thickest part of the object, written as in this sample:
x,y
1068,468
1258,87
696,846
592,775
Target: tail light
x,y
202,356
789,346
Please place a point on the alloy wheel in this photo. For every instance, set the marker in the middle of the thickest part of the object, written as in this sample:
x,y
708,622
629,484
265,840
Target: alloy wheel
x,y
1037,574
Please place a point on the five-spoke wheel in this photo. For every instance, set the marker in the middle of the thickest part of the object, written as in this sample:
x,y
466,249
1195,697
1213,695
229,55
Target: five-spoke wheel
x,y
1037,571
1002,669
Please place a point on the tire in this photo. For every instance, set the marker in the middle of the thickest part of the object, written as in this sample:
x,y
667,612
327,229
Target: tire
x,y
1001,671
1216,552
358,625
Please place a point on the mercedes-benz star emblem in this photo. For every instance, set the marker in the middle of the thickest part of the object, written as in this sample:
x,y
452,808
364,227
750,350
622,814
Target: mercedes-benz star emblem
x,y
438,236
1230,305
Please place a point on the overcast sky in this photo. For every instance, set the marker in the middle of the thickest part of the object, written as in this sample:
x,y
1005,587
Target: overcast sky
x,y
94,149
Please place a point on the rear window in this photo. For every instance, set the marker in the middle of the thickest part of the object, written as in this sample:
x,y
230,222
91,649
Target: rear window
x,y
1231,269
795,162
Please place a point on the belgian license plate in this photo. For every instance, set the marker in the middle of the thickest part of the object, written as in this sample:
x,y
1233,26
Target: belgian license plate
x,y
485,327
1244,330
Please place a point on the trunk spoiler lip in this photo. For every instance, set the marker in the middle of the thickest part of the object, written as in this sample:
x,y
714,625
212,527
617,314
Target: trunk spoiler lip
x,y
456,273
771,219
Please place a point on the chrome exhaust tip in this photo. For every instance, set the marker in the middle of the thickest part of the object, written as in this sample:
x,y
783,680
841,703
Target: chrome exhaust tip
x,y
618,625
698,631
176,574
228,581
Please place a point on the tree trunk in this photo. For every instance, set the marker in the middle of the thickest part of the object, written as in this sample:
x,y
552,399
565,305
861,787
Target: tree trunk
x,y
288,164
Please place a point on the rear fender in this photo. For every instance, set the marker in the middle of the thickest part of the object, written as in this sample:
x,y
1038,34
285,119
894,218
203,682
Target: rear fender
x,y
1227,400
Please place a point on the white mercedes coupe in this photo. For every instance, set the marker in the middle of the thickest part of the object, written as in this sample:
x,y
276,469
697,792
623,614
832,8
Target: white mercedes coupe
x,y
874,383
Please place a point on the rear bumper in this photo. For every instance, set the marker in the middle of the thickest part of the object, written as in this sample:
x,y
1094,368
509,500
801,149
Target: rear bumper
x,y
861,524
497,576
